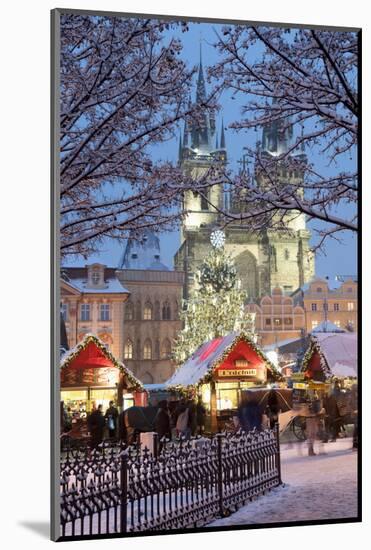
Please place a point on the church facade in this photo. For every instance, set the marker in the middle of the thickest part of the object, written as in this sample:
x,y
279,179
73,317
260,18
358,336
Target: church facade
x,y
266,259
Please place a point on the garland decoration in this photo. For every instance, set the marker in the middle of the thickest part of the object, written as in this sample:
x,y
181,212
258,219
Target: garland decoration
x,y
70,355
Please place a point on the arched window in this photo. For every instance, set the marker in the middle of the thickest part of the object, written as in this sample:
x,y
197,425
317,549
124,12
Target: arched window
x,y
148,311
166,311
129,311
204,201
157,311
147,350
166,349
128,350
157,349
138,310
287,254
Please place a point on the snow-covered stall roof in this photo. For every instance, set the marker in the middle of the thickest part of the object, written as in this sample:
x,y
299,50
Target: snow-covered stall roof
x,y
327,326
338,353
209,356
71,354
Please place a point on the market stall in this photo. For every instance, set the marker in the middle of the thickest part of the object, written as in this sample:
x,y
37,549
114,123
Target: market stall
x,y
92,376
220,370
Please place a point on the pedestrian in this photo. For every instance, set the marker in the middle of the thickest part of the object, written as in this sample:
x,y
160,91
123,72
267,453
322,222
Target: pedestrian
x,y
111,418
313,418
201,416
250,415
332,415
162,422
192,409
96,425
354,407
273,408
182,423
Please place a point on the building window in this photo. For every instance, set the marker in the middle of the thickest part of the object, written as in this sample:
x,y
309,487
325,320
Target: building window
x,y
104,312
166,312
319,289
350,306
349,289
166,349
288,321
314,307
337,323
147,350
336,307
268,322
129,312
277,322
128,350
95,277
287,254
314,324
325,306
64,312
204,203
147,314
85,312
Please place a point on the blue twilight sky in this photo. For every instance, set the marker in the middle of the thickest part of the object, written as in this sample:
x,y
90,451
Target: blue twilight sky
x,y
340,258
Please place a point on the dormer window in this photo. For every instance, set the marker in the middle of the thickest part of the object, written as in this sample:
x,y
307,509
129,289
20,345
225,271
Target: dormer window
x,y
157,256
134,256
95,278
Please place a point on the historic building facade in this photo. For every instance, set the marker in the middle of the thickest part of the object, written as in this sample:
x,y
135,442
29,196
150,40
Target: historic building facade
x,y
151,314
277,318
273,257
321,303
92,301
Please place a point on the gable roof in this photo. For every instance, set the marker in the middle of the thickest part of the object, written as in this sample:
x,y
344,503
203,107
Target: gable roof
x,y
327,326
338,353
200,366
70,355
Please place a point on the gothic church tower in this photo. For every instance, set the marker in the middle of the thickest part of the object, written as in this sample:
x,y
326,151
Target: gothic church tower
x,y
264,259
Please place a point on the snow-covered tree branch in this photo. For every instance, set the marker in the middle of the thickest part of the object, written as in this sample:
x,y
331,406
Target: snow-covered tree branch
x,y
124,88
294,79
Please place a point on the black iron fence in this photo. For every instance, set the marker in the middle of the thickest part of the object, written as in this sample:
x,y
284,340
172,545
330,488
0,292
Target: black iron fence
x,y
188,483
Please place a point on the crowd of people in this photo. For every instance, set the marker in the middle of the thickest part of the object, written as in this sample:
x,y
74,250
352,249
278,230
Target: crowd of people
x,y
324,417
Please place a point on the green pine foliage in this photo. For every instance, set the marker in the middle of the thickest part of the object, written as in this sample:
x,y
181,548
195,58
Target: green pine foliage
x,y
216,308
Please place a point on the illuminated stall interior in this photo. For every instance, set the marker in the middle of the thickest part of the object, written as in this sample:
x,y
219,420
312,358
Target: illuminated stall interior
x,y
220,369
91,376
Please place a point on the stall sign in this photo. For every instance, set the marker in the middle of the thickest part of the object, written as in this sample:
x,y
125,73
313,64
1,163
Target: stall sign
x,y
299,386
237,372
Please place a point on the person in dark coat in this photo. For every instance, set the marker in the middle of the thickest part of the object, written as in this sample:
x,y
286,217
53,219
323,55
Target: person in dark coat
x,y
273,408
354,408
111,417
250,416
332,417
96,425
201,416
192,416
162,420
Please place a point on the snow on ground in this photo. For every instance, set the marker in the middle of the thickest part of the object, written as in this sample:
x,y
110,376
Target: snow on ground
x,y
318,487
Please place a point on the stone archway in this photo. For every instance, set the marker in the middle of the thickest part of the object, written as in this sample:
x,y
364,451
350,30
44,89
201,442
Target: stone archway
x,y
246,265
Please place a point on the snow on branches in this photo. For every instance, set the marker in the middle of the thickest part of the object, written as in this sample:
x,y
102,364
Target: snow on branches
x,y
123,88
304,79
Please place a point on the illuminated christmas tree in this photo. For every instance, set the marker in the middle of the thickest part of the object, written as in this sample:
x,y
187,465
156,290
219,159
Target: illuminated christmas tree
x,y
218,305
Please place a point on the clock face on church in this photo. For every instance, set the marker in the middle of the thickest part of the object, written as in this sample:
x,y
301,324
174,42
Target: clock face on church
x,y
217,238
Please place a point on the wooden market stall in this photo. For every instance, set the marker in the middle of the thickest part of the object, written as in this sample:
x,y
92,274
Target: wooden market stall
x,y
220,370
91,375
330,355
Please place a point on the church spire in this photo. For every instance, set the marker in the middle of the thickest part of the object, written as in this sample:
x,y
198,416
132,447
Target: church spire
x,y
201,88
222,137
216,141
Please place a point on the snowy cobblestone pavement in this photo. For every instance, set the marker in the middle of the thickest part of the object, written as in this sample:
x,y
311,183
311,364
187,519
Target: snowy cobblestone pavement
x,y
319,487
